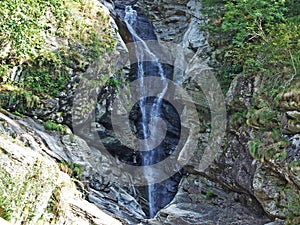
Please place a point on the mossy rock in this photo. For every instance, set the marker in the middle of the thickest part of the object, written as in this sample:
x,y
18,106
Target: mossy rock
x,y
17,99
264,119
289,100
278,198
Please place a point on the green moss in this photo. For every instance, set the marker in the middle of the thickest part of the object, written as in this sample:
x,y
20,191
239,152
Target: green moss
x,y
269,145
17,99
50,125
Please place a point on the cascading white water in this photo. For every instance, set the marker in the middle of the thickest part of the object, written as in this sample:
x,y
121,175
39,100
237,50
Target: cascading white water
x,y
143,52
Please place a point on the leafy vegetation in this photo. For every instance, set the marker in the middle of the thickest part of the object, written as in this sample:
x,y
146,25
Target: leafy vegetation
x,y
114,82
266,42
17,98
269,146
260,38
72,169
42,41
47,74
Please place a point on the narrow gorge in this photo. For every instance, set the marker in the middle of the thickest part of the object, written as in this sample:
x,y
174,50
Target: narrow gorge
x,y
147,112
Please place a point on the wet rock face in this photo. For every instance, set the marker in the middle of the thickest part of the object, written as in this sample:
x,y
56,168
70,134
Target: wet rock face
x,y
143,27
145,31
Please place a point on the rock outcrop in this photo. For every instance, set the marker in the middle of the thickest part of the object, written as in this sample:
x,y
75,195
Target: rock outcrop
x,y
201,201
35,188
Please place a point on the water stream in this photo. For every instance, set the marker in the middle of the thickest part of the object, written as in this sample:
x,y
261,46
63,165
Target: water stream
x,y
148,113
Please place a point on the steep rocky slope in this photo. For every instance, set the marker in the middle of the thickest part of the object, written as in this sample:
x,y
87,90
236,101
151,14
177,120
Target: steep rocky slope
x,y
35,189
254,178
39,156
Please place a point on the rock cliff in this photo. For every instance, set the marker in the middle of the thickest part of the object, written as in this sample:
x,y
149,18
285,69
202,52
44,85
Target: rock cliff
x,y
76,175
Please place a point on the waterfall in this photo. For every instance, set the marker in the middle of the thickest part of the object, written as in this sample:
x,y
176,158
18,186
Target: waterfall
x,y
143,53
